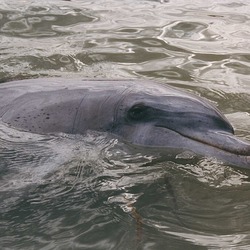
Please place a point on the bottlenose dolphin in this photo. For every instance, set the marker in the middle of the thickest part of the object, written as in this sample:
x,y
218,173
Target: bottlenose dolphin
x,y
140,112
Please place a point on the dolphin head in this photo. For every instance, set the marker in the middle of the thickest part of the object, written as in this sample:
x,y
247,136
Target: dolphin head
x,y
167,118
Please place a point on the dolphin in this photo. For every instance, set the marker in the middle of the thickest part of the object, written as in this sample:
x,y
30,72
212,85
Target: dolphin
x,y
141,112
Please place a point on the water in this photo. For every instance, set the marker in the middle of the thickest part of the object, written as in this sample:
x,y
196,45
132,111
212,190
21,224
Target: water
x,y
70,192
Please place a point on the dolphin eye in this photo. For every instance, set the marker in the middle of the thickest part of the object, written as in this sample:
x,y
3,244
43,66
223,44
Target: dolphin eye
x,y
138,112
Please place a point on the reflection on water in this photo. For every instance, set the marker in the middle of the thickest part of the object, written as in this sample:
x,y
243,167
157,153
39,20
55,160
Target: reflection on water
x,y
36,21
94,192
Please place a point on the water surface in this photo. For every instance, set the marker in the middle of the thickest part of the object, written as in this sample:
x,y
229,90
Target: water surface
x,y
94,192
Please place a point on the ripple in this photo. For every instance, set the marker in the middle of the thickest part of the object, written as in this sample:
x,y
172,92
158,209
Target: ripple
x,y
188,30
42,22
16,26
173,73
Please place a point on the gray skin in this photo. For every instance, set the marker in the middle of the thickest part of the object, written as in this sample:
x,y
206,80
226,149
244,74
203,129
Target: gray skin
x,y
140,112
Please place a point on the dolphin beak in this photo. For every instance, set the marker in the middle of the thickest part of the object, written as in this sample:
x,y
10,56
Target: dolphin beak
x,y
211,136
217,144
221,140
226,147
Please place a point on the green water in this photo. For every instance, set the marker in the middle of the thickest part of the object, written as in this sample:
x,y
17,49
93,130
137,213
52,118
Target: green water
x,y
70,193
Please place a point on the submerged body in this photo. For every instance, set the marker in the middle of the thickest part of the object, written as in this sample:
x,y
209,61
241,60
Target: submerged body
x,y
141,112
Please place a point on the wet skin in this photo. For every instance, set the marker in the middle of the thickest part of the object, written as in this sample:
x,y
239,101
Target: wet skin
x,y
140,112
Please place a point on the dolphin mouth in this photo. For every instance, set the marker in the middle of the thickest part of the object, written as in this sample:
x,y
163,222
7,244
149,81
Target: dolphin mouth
x,y
221,145
208,129
221,140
